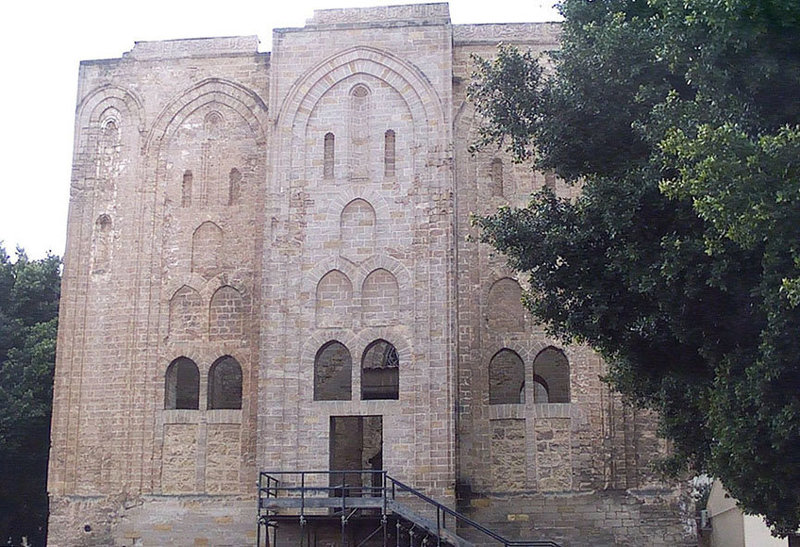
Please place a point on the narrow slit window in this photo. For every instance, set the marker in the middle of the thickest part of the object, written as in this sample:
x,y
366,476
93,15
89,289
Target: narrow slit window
x,y
186,189
103,240
389,153
497,177
550,180
234,186
328,156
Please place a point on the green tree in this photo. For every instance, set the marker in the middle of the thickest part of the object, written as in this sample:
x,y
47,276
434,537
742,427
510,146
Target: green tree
x,y
29,293
680,261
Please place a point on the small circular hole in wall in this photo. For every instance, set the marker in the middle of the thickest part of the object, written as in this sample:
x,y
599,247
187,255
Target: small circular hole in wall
x,y
87,528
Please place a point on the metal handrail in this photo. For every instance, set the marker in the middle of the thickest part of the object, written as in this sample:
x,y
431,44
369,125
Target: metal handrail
x,y
459,518
388,490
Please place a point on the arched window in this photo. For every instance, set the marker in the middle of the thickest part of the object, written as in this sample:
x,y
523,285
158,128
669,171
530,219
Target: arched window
x,y
186,189
328,156
388,153
506,378
225,384
551,367
333,369
380,371
182,385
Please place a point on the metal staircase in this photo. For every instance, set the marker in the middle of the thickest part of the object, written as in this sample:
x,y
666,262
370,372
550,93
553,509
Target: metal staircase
x,y
385,512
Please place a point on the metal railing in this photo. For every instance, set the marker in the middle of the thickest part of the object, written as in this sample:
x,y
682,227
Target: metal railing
x,y
381,492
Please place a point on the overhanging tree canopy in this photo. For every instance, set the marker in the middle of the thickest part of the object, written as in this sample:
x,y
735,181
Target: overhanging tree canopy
x,y
680,261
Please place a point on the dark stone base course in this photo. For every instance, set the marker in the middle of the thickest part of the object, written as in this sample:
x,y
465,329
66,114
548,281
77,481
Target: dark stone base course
x,y
610,518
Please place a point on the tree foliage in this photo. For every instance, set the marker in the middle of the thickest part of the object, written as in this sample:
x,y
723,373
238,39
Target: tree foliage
x,y
680,261
29,293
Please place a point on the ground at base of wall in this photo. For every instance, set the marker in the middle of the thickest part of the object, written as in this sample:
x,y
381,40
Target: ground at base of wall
x,y
610,518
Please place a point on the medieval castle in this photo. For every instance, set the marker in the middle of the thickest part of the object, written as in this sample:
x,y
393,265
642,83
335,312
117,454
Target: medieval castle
x,y
268,269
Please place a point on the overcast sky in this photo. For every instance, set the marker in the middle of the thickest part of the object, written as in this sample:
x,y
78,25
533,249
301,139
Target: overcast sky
x,y
41,44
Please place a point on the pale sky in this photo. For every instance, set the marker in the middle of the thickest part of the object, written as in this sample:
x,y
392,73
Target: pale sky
x,y
41,44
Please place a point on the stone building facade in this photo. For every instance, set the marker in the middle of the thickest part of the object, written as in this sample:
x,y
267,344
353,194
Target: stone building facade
x,y
268,267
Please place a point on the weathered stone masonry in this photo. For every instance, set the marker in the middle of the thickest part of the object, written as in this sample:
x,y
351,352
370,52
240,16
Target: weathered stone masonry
x,y
268,251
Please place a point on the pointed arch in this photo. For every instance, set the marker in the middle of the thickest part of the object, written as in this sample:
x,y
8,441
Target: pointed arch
x,y
245,102
412,86
334,297
505,312
333,367
185,309
379,298
380,371
226,314
207,249
552,366
357,227
506,378
182,385
225,384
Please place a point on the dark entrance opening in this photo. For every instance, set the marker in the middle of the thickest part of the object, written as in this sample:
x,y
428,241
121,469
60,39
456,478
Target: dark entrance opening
x,y
356,445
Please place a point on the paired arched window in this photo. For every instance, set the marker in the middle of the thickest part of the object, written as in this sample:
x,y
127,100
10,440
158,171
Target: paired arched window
x,y
182,385
333,370
380,371
550,377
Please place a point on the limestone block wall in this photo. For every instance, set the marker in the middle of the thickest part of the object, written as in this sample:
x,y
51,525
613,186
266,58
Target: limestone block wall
x,y
362,244
162,266
539,435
